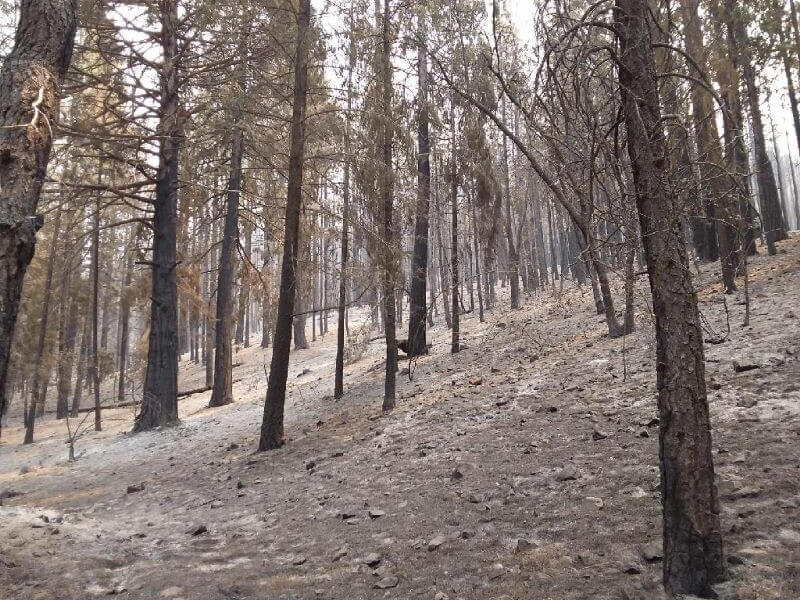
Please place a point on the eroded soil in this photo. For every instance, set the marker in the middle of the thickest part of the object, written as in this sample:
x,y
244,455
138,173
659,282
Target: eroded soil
x,y
524,467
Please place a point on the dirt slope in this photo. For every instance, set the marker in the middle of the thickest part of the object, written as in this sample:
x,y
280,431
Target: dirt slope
x,y
525,467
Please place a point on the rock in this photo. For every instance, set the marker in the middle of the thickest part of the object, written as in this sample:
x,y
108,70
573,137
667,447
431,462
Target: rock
x,y
374,513
501,402
239,485
436,542
789,535
346,514
386,583
746,402
735,559
372,559
638,493
339,554
9,494
441,596
652,552
598,434
305,371
715,385
568,473
217,504
741,493
456,475
495,370
740,367
136,487
521,545
632,570
299,560
310,465
197,529
233,446
643,433
476,380
596,502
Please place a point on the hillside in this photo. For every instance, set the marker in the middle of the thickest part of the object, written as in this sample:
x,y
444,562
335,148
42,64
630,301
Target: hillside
x,y
524,467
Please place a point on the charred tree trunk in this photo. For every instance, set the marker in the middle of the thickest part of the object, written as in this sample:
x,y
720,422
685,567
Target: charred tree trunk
x,y
338,384
160,398
693,554
741,51
68,331
37,402
30,86
710,159
222,392
417,332
272,435
455,345
386,192
125,313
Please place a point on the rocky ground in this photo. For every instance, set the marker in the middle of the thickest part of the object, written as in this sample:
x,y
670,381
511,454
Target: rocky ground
x,y
524,467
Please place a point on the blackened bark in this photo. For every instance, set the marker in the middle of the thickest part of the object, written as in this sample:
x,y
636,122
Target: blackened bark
x,y
710,158
741,51
125,312
37,400
454,339
95,364
81,371
68,332
417,331
272,435
30,86
338,385
693,554
160,398
387,210
223,380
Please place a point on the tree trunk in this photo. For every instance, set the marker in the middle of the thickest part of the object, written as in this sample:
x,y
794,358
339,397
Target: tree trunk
x,y
454,340
125,312
222,392
417,332
693,555
160,397
94,368
741,51
80,369
272,435
710,158
37,402
386,191
338,385
32,74
68,331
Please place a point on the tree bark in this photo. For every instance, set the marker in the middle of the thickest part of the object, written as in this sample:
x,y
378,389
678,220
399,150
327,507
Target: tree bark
x,y
693,554
338,385
223,380
417,331
710,158
387,210
741,51
160,398
272,435
30,86
36,407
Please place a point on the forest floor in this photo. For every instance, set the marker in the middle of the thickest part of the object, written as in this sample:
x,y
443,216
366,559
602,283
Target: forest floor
x,y
526,466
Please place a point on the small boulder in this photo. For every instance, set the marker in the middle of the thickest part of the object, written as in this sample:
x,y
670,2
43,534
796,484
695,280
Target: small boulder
x,y
386,583
436,542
